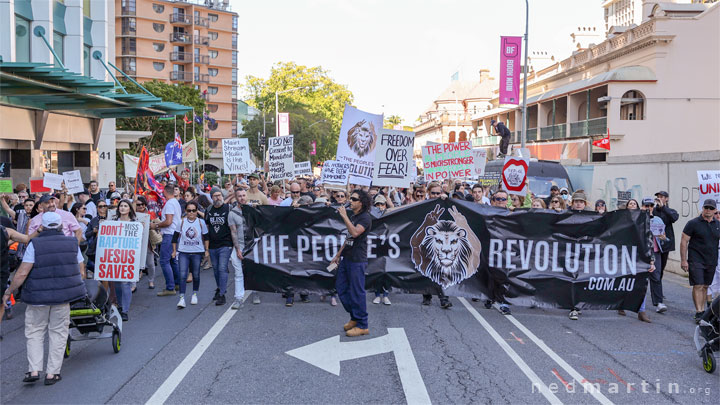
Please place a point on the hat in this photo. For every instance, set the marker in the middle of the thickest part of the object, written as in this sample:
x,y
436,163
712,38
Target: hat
x,y
321,200
51,220
648,201
459,195
710,203
598,202
662,193
115,195
380,199
579,196
45,198
554,188
492,122
215,190
255,175
305,200
564,189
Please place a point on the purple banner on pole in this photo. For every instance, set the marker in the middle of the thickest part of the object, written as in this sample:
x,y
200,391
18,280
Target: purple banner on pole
x,y
510,69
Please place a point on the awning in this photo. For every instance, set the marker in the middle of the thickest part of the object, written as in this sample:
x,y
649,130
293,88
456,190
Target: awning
x,y
46,87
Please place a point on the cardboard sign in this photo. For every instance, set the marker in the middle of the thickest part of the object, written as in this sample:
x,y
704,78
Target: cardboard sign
x,y
130,162
394,159
53,181
281,161
145,220
335,174
157,164
236,156
479,156
303,169
4,169
358,142
6,186
73,181
190,151
514,175
119,251
709,181
36,186
447,161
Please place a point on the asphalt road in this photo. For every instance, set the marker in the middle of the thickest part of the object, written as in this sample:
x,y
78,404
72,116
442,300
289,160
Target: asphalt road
x,y
468,354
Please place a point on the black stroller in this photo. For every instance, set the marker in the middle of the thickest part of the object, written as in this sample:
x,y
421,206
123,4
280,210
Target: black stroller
x,y
707,338
90,315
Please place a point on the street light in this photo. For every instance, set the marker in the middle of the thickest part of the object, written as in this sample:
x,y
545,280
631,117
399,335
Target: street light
x,y
524,110
277,122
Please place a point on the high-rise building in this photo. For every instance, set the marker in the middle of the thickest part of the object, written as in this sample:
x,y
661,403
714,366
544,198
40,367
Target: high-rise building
x,y
192,42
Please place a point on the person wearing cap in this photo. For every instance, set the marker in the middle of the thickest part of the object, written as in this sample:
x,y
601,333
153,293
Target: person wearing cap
x,y
48,203
114,199
600,206
578,203
90,207
254,195
504,133
51,274
669,216
658,229
554,192
699,253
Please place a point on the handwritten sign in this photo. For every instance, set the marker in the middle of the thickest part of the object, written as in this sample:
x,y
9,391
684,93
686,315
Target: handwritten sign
x,y
447,160
281,163
479,156
190,151
303,169
236,156
394,159
514,175
157,164
6,186
335,174
52,181
709,181
119,248
73,181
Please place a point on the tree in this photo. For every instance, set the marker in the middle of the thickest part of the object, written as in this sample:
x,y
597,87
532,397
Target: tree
x,y
391,121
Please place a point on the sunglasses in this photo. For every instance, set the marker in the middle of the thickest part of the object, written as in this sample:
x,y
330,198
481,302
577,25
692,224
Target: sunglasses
x,y
380,203
709,208
340,196
294,192
554,202
355,199
499,199
140,204
648,205
564,193
434,193
102,206
316,189
600,205
190,210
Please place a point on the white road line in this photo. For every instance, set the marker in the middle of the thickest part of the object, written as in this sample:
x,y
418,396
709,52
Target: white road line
x,y
536,381
588,387
167,388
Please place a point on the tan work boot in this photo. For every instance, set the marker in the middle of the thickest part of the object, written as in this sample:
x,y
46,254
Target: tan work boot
x,y
165,293
354,332
349,325
643,317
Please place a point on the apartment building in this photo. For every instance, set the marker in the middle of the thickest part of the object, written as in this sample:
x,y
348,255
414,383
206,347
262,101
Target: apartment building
x,y
191,42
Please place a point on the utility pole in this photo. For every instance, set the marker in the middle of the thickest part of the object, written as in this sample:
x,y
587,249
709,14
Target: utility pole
x,y
525,74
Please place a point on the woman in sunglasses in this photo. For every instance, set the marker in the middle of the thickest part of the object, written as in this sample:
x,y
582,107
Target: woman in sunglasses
x,y
191,242
123,289
557,203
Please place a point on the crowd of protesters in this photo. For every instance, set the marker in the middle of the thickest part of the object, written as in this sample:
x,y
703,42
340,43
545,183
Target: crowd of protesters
x,y
202,227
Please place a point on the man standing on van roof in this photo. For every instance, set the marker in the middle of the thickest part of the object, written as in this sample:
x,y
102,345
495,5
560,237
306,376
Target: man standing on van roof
x,y
504,134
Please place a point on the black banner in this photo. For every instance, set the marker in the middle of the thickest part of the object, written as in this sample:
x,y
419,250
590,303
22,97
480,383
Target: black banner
x,y
535,257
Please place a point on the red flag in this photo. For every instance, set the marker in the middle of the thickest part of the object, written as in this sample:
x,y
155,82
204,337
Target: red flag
x,y
146,185
186,120
603,142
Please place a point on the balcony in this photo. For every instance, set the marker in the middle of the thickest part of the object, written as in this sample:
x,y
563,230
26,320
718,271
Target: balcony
x,y
179,76
202,78
202,21
184,57
553,132
202,40
204,59
531,134
180,18
486,141
181,37
595,126
206,97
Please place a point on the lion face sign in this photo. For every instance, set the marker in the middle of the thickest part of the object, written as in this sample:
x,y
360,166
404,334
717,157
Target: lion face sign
x,y
362,138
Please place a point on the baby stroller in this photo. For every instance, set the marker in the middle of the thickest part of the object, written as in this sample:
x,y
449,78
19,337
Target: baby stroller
x,y
90,315
707,338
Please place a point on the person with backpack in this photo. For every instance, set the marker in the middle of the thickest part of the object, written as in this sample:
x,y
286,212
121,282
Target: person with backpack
x,y
191,242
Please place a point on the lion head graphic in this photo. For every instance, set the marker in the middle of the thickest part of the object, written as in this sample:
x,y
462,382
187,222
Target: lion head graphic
x,y
362,138
190,233
447,252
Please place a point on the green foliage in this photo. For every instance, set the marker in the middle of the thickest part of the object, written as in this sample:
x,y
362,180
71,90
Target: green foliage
x,y
391,121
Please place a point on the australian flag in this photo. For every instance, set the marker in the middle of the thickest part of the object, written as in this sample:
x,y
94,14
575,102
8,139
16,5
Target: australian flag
x,y
173,152
199,119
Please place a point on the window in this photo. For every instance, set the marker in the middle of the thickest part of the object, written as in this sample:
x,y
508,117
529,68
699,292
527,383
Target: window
x,y
212,107
212,90
128,65
213,35
22,39
235,23
213,17
159,8
212,72
234,76
158,27
129,26
59,45
129,46
234,92
234,41
632,106
234,58
159,46
86,60
213,54
128,7
178,68
159,66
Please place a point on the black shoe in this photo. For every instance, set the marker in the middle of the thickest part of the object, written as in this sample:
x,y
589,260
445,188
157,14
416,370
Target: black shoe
x,y
304,299
29,378
445,304
217,294
220,300
475,299
505,310
426,301
289,302
8,313
697,317
53,380
488,304
124,316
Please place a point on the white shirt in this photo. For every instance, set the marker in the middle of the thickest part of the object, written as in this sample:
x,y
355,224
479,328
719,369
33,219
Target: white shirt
x,y
191,236
172,206
29,256
91,208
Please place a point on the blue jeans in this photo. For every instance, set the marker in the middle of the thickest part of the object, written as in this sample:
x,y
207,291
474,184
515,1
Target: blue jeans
x,y
123,291
168,264
190,261
350,285
220,259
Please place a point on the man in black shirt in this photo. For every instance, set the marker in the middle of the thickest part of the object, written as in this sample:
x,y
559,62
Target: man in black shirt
x,y
668,216
699,253
221,244
504,133
350,282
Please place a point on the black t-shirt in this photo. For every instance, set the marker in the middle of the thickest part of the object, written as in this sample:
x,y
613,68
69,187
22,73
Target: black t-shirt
x,y
704,239
216,220
309,194
357,253
96,197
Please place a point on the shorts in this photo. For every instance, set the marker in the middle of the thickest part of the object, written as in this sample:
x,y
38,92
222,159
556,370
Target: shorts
x,y
700,274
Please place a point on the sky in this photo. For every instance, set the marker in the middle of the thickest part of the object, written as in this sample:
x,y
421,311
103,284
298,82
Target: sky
x,y
397,56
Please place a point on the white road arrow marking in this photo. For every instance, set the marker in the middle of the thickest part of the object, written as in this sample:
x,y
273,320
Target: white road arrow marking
x,y
328,353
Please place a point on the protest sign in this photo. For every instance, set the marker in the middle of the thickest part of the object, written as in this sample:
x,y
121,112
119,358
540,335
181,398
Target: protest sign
x,y
236,156
281,162
657,226
624,196
73,181
190,151
157,164
479,156
283,124
5,169
145,220
394,159
118,253
709,186
514,175
52,181
335,174
6,186
303,169
36,186
130,162
357,143
447,160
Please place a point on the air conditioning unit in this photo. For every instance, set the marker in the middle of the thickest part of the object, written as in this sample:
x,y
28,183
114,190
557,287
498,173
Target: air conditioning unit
x,y
604,99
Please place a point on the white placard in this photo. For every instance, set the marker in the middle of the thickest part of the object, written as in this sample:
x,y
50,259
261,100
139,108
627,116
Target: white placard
x,y
514,175
131,163
303,169
281,162
118,253
284,124
479,156
709,186
394,159
157,164
73,181
358,142
52,181
236,156
335,174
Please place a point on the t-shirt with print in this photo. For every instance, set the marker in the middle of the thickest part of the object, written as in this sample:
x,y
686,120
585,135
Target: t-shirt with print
x,y
172,206
357,253
189,236
256,197
216,220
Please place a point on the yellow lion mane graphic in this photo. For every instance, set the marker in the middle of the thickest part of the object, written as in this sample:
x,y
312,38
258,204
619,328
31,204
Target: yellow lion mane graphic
x,y
352,139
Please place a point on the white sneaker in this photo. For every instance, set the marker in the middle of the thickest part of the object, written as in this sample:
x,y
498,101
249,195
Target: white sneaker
x,y
377,300
661,308
181,303
193,299
236,304
386,301
256,299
